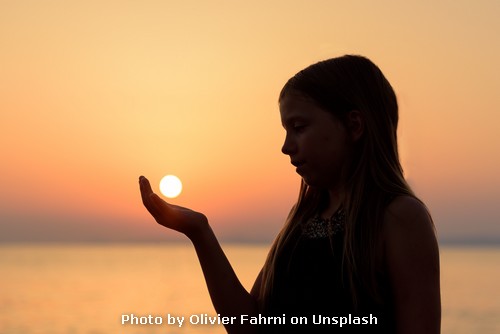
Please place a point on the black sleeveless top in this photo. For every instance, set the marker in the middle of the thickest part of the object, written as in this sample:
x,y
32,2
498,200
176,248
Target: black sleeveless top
x,y
310,287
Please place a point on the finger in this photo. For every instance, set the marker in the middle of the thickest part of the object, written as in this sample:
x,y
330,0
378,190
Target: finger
x,y
156,201
145,185
144,189
146,193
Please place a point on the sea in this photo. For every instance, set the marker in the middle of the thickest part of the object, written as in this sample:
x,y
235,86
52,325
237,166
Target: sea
x,y
150,288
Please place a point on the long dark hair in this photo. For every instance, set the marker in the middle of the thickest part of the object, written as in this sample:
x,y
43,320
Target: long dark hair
x,y
375,175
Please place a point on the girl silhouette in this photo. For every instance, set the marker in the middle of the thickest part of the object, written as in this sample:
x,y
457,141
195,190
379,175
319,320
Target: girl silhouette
x,y
358,248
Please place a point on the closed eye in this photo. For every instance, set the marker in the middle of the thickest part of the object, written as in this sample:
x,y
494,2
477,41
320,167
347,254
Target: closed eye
x,y
295,124
299,127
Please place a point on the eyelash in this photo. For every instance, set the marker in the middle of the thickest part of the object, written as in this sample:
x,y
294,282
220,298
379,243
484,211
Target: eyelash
x,y
298,128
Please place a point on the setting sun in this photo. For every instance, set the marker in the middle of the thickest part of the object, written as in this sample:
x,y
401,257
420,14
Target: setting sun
x,y
170,186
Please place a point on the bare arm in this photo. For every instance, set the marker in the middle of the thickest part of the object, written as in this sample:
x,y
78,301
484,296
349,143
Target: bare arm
x,y
228,296
412,259
255,292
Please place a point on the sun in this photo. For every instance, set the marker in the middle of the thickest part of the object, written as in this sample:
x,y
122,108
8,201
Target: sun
x,y
170,186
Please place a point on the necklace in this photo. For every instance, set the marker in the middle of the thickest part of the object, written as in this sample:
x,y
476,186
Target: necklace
x,y
317,227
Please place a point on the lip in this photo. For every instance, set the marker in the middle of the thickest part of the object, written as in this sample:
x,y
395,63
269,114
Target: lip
x,y
299,166
297,163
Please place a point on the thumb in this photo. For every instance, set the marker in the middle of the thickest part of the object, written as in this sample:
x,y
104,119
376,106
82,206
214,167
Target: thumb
x,y
157,201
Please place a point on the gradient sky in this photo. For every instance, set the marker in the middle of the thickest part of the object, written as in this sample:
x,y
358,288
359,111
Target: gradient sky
x,y
95,93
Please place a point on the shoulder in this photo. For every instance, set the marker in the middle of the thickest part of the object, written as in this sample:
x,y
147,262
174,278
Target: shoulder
x,y
411,259
408,231
407,217
405,207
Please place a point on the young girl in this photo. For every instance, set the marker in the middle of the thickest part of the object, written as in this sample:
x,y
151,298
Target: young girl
x,y
358,249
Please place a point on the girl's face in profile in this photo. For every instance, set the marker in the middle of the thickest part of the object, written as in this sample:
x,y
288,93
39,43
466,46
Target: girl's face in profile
x,y
317,143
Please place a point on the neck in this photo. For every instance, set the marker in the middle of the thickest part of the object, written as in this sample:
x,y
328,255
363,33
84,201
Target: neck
x,y
335,200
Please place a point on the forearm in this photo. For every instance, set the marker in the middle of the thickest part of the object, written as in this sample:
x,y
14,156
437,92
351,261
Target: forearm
x,y
228,295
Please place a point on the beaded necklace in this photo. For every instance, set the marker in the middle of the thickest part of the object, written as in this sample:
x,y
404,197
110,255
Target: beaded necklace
x,y
317,227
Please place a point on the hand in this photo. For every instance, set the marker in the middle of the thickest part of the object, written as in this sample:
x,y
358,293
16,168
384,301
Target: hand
x,y
172,216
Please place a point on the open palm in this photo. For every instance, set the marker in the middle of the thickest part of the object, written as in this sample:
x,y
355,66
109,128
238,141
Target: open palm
x,y
175,217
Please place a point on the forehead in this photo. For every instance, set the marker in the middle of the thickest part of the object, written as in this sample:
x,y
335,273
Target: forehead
x,y
294,107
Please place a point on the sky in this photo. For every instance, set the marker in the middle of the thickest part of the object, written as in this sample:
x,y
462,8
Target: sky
x,y
95,93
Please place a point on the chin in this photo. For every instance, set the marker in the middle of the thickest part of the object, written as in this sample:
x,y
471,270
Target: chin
x,y
315,182
311,182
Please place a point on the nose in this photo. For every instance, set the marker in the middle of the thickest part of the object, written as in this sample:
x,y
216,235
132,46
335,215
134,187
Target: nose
x,y
289,146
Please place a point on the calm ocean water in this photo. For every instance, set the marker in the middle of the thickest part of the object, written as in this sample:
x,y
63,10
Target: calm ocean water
x,y
87,289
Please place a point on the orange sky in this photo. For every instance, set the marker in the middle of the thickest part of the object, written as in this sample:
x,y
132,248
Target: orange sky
x,y
94,94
